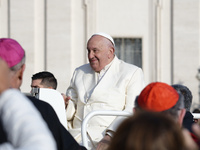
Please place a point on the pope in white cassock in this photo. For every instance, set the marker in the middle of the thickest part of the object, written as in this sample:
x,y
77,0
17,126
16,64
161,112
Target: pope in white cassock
x,y
106,83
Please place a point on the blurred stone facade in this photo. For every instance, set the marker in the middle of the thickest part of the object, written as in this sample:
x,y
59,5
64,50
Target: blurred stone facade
x,y
54,35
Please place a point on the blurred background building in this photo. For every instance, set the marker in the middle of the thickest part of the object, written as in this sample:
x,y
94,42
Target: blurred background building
x,y
161,36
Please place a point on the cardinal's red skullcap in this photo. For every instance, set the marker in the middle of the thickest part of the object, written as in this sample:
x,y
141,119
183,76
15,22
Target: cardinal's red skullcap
x,y
158,96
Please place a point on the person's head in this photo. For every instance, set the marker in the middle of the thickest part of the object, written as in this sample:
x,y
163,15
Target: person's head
x,y
14,55
44,79
101,50
161,97
148,131
186,93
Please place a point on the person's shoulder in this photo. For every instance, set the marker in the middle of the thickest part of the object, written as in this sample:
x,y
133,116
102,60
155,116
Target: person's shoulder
x,y
63,138
36,100
40,105
127,66
86,68
45,109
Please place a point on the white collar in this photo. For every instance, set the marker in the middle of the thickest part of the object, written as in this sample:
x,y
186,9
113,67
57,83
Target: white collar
x,y
106,67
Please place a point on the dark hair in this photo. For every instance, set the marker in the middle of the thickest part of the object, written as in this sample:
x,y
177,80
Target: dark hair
x,y
48,79
148,131
196,110
186,93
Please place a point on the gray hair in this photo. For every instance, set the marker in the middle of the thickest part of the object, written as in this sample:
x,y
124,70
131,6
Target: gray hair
x,y
174,111
187,94
19,65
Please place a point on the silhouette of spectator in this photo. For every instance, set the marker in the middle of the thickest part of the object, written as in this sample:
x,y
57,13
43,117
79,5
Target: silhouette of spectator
x,y
163,98
12,53
187,94
148,131
44,79
21,126
47,83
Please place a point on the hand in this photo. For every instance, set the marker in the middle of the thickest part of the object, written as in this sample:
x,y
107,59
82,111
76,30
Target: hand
x,y
104,143
4,76
66,99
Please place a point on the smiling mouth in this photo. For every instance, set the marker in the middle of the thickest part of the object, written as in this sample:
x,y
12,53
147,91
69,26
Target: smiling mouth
x,y
92,60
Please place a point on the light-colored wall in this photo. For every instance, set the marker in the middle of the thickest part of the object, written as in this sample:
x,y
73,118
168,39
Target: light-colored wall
x,y
39,29
59,49
128,19
22,30
54,35
186,44
4,19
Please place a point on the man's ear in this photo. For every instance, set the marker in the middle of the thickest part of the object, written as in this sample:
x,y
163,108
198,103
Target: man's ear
x,y
16,77
111,52
112,49
181,116
20,76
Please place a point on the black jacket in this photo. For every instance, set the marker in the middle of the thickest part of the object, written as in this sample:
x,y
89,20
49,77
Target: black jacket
x,y
188,120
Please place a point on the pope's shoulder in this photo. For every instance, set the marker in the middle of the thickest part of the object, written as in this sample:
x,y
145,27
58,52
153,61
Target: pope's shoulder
x,y
127,66
84,68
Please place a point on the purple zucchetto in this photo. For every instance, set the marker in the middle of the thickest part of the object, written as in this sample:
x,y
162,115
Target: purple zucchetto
x,y
11,51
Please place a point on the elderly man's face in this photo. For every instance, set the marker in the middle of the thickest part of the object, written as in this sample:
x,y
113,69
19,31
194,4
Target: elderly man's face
x,y
100,52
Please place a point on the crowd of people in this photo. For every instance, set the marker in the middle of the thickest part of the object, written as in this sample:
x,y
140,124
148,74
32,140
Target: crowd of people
x,y
160,113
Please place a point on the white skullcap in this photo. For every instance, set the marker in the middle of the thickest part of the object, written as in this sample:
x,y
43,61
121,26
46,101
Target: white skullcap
x,y
106,36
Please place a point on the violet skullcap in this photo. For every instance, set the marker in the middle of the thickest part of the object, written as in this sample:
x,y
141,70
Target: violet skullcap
x,y
11,51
